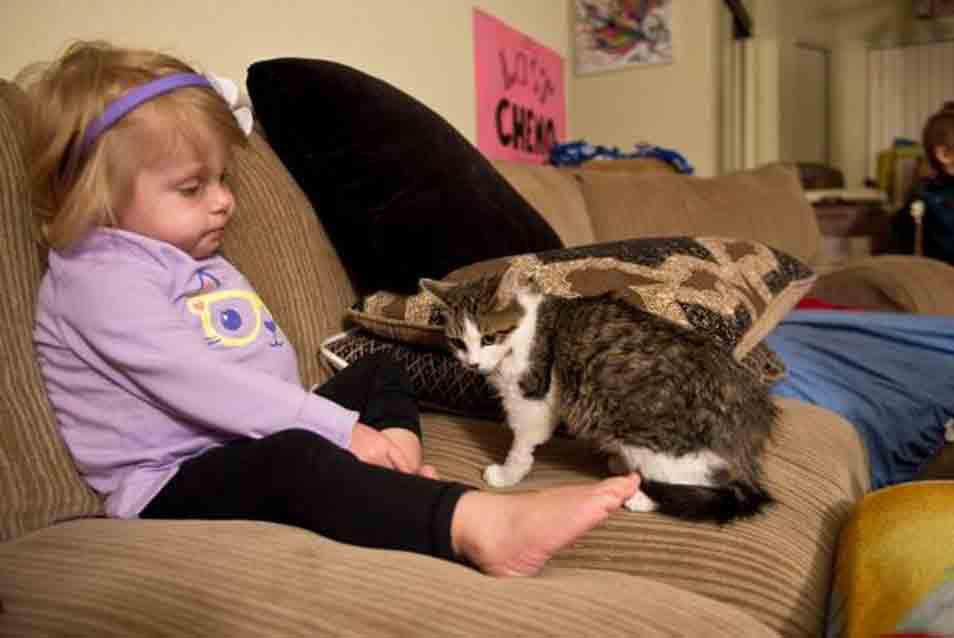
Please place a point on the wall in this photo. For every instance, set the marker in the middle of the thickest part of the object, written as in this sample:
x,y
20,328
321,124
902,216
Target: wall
x,y
847,28
784,111
805,44
856,29
672,105
423,47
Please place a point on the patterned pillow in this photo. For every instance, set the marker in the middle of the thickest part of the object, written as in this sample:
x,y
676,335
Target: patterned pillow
x,y
732,289
440,382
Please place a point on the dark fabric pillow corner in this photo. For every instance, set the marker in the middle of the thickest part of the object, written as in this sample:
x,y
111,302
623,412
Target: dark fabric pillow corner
x,y
401,193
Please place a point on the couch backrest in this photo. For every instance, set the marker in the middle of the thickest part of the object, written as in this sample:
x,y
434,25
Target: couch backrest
x,y
556,195
279,244
766,204
38,481
638,198
275,239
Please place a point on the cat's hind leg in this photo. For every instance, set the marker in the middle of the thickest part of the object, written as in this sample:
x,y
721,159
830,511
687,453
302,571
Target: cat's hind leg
x,y
694,469
533,423
619,465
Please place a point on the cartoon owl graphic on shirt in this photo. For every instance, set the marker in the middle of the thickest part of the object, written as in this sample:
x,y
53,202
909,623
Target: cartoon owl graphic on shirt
x,y
231,318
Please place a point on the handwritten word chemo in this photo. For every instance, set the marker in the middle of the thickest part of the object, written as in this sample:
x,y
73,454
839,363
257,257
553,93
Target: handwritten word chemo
x,y
521,129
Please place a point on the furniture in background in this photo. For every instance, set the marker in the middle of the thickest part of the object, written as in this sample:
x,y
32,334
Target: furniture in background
x,y
66,570
898,170
854,223
815,175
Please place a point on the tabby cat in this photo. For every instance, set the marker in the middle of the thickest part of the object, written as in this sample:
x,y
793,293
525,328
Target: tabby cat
x,y
658,398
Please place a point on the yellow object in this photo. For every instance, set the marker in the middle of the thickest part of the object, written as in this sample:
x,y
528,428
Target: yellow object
x,y
894,574
897,170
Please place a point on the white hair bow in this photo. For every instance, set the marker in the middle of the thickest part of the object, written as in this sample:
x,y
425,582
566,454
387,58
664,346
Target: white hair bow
x,y
230,93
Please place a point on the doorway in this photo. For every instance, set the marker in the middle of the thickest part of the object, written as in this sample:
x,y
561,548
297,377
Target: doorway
x,y
805,125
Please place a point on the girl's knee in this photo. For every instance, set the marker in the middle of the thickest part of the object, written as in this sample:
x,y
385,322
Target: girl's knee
x,y
385,368
294,444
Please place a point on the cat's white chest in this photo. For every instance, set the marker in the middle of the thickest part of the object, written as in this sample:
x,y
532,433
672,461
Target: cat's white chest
x,y
511,368
506,379
514,366
532,420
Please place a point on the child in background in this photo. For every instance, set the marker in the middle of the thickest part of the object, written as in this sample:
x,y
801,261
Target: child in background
x,y
936,192
176,391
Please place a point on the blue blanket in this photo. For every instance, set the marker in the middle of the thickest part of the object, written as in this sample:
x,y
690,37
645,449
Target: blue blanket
x,y
890,374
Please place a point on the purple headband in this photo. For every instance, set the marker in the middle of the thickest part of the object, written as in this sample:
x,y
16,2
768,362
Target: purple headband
x,y
118,109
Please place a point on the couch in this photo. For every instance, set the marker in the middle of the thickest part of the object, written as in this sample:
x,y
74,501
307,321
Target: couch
x,y
67,570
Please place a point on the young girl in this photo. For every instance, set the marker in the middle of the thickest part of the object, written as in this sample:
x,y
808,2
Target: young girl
x,y
177,393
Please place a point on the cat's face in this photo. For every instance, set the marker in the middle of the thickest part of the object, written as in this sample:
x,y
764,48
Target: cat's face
x,y
478,333
478,345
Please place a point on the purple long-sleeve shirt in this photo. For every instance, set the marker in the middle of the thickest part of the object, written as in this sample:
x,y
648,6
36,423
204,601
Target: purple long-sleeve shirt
x,y
151,357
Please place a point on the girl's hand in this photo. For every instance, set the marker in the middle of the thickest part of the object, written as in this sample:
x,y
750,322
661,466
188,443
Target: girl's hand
x,y
411,447
372,447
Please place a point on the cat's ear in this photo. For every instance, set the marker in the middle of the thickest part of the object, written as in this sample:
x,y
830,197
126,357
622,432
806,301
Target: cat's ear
x,y
494,280
494,288
437,289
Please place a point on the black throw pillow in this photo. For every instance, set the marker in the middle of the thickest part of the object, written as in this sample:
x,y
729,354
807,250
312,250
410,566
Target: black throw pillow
x,y
400,192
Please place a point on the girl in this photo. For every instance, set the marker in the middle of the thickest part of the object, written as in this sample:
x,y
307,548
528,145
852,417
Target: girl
x,y
177,393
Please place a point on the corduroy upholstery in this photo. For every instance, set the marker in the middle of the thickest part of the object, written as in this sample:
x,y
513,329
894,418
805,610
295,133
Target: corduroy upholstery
x,y
38,483
638,575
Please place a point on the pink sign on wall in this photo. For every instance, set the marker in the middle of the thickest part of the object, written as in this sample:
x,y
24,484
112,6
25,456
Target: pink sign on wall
x,y
521,100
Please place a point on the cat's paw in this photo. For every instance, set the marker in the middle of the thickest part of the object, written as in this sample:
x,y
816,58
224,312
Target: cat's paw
x,y
639,502
501,476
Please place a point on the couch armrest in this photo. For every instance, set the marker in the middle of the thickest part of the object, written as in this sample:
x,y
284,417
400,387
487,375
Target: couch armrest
x,y
891,282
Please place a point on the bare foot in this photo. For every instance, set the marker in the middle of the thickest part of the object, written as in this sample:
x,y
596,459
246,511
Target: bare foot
x,y
428,471
516,534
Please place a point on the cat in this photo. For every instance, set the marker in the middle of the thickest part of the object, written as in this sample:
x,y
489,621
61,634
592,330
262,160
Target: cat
x,y
659,398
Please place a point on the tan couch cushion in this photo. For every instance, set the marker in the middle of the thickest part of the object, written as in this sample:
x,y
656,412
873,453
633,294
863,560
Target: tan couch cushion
x,y
38,482
896,283
766,204
556,195
776,567
279,244
243,579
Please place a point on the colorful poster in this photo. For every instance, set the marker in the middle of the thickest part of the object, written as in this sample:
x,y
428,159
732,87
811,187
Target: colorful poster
x,y
521,96
612,34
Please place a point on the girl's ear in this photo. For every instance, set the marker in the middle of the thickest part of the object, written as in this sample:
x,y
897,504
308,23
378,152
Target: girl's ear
x,y
437,289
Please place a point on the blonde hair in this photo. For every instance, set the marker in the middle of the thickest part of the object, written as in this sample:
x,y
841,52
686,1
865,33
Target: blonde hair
x,y
69,93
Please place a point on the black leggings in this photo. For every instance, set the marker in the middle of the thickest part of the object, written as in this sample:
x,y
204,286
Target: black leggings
x,y
299,478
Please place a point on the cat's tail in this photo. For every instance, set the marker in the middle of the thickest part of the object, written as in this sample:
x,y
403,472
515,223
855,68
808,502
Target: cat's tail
x,y
722,504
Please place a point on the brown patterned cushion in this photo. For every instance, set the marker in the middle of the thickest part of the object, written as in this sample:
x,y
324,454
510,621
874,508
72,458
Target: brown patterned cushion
x,y
735,290
440,382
